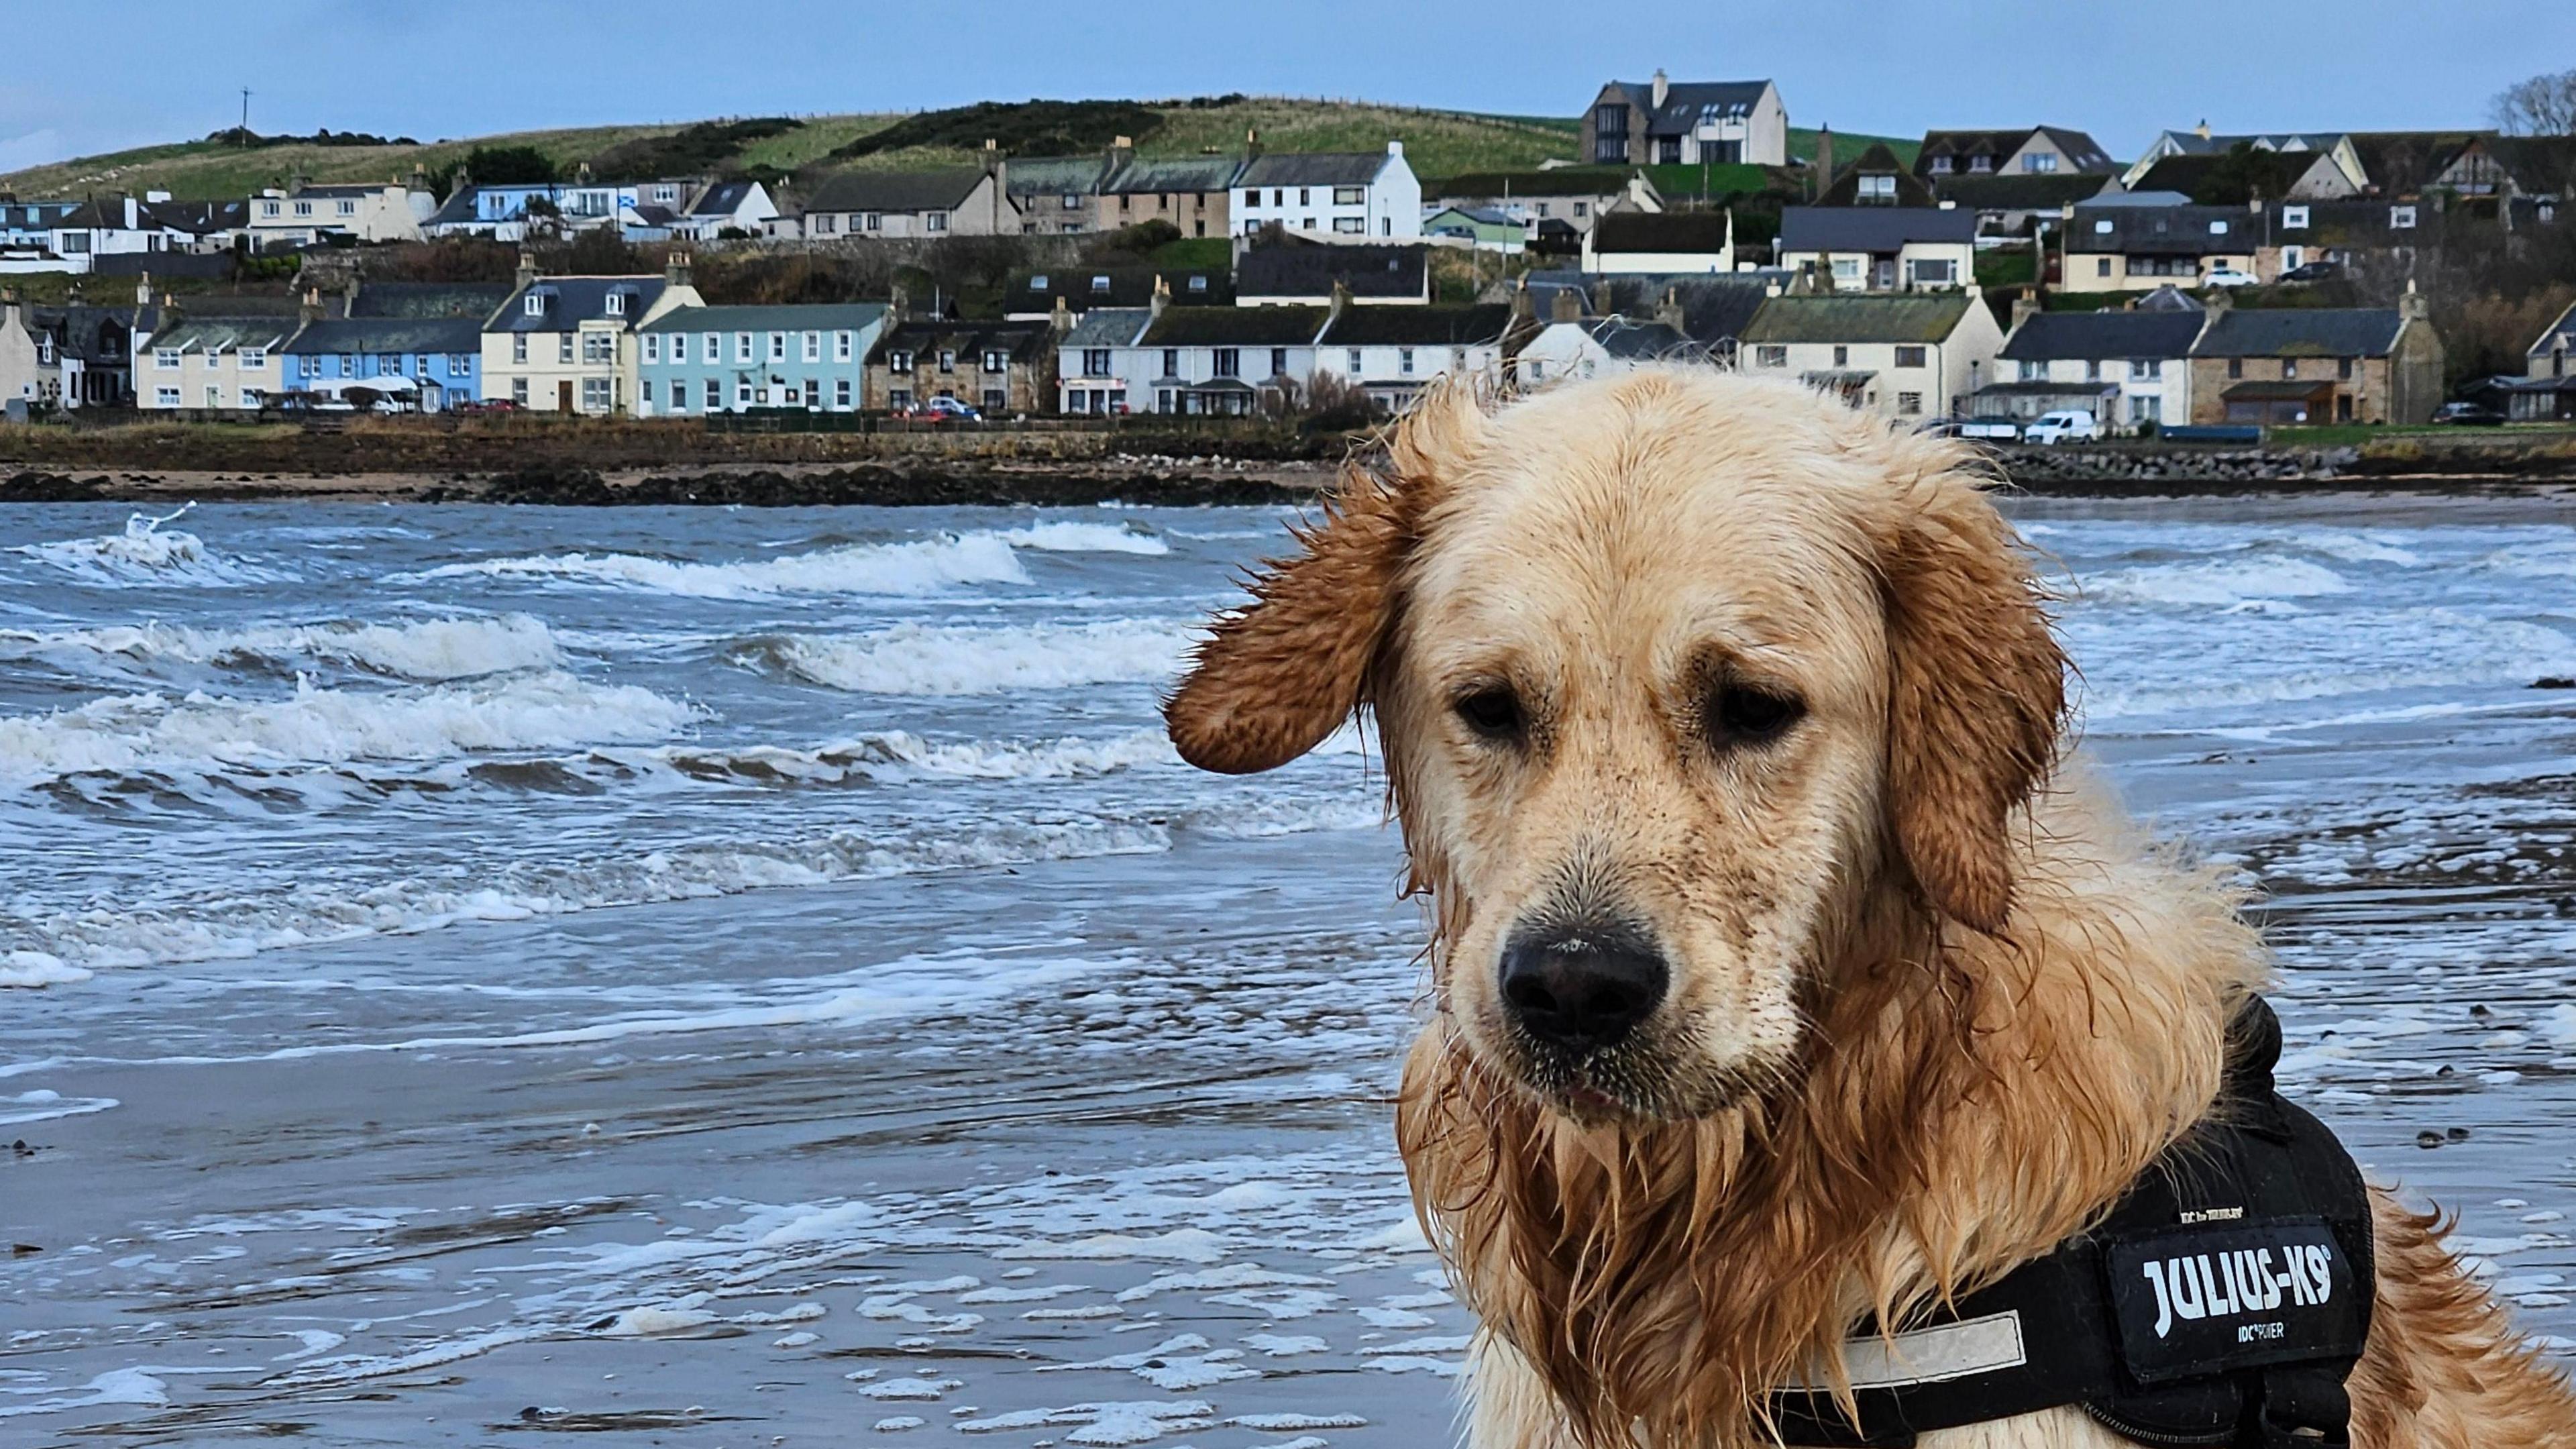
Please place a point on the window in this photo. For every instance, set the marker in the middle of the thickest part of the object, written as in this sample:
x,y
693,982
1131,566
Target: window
x,y
348,364
2092,369
348,208
825,223
518,347
2289,369
947,360
1581,208
841,394
304,208
1981,164
2401,218
840,346
899,398
1909,404
2235,367
1171,362
2343,368
1279,362
167,397
644,392
519,391
1940,165
2218,228
2033,371
742,347
2294,218
1278,197
875,221
714,395
899,360
1909,356
1847,270
1228,362
598,348
2039,163
165,357
268,208
1350,196
813,392
250,397
666,193
2146,369
652,349
995,359
715,348
1351,225
1878,188
535,305
253,357
1252,200
1927,272
778,347
1072,202
1354,359
1198,283
1842,355
2102,226
742,394
1404,361
935,221
995,400
2101,266
1100,285
1095,362
2146,409
563,347
595,396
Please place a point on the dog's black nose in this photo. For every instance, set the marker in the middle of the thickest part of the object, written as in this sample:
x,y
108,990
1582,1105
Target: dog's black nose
x,y
1582,986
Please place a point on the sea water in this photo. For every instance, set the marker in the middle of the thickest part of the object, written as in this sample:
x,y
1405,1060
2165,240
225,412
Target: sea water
x,y
762,975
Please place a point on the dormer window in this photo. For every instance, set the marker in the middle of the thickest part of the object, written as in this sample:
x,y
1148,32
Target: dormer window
x,y
2401,218
1981,163
2102,227
1940,165
2218,228
2294,218
536,304
1198,284
1878,188
1038,283
1100,286
617,304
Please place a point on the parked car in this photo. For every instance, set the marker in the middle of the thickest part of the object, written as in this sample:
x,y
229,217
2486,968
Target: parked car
x,y
2227,277
2071,425
2312,272
485,405
1993,430
2468,415
945,406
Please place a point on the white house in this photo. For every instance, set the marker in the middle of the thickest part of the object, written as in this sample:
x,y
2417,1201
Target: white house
x,y
1662,123
1904,355
1352,195
369,213
1394,352
1102,366
1881,248
2127,368
743,206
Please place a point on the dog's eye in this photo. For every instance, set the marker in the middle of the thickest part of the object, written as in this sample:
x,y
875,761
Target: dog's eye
x,y
1740,714
1492,711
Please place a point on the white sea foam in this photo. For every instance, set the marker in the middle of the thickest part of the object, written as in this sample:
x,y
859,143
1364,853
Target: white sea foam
x,y
2221,581
31,969
142,555
429,649
896,754
920,660
1065,537
125,734
916,566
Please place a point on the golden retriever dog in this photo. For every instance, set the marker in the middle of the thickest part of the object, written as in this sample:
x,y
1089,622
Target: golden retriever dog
x,y
1787,976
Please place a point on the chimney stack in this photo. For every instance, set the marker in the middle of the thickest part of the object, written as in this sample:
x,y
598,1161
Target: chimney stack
x,y
1824,158
675,271
1669,310
1060,317
2414,306
1662,88
992,155
2024,308
527,269
896,305
1162,297
143,291
1601,296
309,310
2202,130
1566,305
1252,144
1341,300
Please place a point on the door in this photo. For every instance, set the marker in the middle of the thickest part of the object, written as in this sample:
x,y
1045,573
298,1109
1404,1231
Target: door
x,y
563,396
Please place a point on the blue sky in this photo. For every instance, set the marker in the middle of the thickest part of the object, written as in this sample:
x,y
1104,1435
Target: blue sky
x,y
157,70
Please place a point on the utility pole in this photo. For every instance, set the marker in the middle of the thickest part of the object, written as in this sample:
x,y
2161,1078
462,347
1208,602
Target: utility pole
x,y
242,137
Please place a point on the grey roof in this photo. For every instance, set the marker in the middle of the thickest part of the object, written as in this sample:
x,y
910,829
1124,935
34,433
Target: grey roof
x,y
1023,341
2561,333
653,213
1714,308
1155,174
1483,215
1446,326
1290,268
1646,341
1872,228
1235,327
1687,103
200,218
572,301
1108,327
209,334
812,317
2145,197
390,334
1055,175
941,190
345,188
429,299
2091,336
2081,150
2163,230
1660,231
2192,143
457,209
1083,288
2019,191
1873,317
722,199
1315,168
2300,332
84,332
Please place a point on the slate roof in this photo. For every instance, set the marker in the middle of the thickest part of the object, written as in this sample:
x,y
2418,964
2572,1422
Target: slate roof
x,y
2300,332
942,190
210,334
1024,341
1687,103
722,199
1443,326
2192,143
2561,333
2180,231
1107,327
338,189
2089,336
390,334
1876,161
2541,164
814,317
2402,163
1660,231
2082,152
1314,168
429,299
575,300
1051,176
1036,291
200,218
1308,269
1643,341
1155,174
457,209
1236,326
1871,228
1891,317
82,332
2019,192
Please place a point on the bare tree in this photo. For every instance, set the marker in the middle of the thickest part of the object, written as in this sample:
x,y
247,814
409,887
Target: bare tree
x,y
2544,105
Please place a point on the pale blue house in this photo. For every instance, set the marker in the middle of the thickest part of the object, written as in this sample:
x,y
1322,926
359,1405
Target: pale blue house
x,y
432,363
697,360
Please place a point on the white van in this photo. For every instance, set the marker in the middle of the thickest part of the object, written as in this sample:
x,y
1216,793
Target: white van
x,y
2062,427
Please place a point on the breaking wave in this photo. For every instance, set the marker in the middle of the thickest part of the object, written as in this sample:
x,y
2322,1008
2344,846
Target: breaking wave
x,y
921,660
433,650
895,754
142,555
1068,537
2216,582
917,566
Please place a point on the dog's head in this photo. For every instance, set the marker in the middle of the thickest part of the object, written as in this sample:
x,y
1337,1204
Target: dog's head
x,y
1678,676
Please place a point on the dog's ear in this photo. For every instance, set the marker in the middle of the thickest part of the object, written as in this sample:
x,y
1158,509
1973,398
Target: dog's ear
x,y
1277,676
1976,701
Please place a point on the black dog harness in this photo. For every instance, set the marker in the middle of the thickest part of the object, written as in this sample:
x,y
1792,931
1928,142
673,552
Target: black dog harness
x,y
2222,1302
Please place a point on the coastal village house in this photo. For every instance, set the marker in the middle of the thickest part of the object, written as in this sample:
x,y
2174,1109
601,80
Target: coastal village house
x,y
2547,391
511,212
565,344
1571,345
1881,248
1392,353
72,356
1905,356
1662,123
1032,296
954,201
1336,195
1001,367
306,214
217,363
2120,248
2335,172
2129,369
1193,193
1571,197
697,360
1661,243
2317,364
419,344
2022,151
1706,313
1101,362
1232,362
1290,272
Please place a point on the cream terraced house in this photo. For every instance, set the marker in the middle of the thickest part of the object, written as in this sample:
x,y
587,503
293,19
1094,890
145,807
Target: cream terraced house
x,y
308,214
874,205
212,364
1906,356
567,344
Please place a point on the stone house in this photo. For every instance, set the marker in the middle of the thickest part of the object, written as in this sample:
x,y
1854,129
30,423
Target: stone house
x,y
1001,367
2311,365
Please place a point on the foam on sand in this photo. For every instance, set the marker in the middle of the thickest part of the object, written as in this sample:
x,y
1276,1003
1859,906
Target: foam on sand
x,y
433,650
142,556
926,661
129,734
